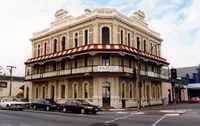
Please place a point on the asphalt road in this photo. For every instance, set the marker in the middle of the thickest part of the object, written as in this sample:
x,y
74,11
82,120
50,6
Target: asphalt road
x,y
111,118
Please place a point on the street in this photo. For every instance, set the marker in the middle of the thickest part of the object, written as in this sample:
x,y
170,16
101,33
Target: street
x,y
147,117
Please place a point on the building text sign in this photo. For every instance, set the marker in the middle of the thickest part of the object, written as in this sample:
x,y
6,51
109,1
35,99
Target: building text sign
x,y
3,84
108,68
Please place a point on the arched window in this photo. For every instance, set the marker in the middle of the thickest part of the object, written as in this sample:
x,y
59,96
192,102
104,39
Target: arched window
x,y
63,64
38,50
122,37
45,48
86,36
27,93
151,48
86,90
63,91
37,93
55,46
158,92
145,46
129,39
63,43
52,92
138,43
76,40
123,91
130,91
153,92
75,90
43,92
105,35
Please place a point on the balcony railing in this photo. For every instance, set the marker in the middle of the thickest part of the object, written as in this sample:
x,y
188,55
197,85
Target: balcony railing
x,y
90,69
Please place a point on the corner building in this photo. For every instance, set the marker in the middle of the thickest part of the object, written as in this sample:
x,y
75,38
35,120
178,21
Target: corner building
x,y
92,57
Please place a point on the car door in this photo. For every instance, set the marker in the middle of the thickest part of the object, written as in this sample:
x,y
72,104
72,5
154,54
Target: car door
x,y
69,105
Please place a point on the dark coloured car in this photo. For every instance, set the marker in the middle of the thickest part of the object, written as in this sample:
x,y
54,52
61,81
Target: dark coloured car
x,y
44,104
79,106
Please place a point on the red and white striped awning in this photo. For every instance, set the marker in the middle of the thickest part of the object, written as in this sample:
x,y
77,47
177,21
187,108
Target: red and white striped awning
x,y
96,47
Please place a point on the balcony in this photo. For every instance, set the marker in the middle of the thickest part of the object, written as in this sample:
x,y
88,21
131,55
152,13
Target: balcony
x,y
92,69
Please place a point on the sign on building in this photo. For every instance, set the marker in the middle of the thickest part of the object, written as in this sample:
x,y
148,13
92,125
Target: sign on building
x,y
107,68
3,84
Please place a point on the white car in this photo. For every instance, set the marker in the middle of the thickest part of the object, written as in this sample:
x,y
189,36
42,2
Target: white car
x,y
12,103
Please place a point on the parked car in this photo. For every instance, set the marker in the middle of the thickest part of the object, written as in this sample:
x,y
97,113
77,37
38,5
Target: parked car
x,y
11,103
79,106
195,100
45,104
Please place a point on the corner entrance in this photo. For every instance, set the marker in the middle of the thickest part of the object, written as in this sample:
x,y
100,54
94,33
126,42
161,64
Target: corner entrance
x,y
106,94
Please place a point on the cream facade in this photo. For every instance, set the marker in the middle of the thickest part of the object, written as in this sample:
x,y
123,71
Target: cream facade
x,y
17,83
93,56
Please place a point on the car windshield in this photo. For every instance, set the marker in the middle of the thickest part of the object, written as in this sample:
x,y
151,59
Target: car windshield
x,y
84,102
11,99
50,102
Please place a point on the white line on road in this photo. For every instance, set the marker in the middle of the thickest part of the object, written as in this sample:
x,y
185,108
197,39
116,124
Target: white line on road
x,y
120,118
164,116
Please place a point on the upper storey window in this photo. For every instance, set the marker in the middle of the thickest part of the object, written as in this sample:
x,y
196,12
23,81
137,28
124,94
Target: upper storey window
x,y
106,60
76,40
45,48
145,46
38,50
63,43
129,39
55,46
86,36
122,37
105,35
138,43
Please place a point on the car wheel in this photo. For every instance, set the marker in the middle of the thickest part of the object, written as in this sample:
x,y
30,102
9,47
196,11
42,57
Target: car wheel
x,y
64,110
94,112
34,107
47,108
7,107
82,111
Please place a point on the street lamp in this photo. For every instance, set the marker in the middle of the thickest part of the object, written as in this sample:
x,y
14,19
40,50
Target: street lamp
x,y
10,69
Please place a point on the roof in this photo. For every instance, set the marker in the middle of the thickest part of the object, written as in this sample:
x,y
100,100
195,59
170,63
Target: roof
x,y
97,47
181,72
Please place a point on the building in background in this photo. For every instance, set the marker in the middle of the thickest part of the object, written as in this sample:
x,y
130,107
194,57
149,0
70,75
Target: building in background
x,y
17,86
93,56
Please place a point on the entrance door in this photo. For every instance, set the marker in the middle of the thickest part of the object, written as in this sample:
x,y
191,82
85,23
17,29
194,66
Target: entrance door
x,y
106,95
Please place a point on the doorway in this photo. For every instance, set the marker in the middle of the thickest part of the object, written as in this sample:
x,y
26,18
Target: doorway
x,y
106,95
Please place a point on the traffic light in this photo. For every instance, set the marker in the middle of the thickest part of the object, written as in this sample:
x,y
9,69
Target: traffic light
x,y
173,74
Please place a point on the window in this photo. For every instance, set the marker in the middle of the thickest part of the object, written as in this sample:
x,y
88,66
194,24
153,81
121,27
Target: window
x,y
131,91
151,48
86,90
129,62
86,61
129,39
75,62
63,91
75,90
105,60
38,50
105,35
122,37
123,90
27,93
144,45
45,48
43,92
63,43
54,66
37,93
138,43
55,46
76,40
86,37
63,64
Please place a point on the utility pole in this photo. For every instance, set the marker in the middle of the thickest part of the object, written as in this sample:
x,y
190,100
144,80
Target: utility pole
x,y
138,82
10,69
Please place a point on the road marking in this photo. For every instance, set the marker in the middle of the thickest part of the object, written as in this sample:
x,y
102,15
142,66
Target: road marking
x,y
120,118
5,124
164,116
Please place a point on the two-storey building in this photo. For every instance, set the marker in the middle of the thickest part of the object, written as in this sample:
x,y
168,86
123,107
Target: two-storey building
x,y
93,56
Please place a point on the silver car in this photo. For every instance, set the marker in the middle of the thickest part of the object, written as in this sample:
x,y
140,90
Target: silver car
x,y
10,103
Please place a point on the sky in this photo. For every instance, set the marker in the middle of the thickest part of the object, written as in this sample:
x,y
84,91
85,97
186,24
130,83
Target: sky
x,y
178,22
